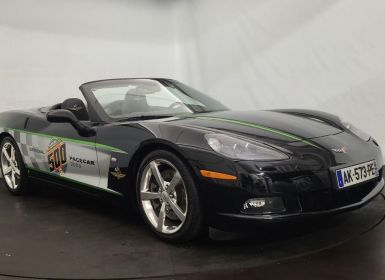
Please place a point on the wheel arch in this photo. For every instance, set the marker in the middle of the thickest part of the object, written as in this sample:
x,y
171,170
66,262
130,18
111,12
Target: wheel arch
x,y
5,134
145,149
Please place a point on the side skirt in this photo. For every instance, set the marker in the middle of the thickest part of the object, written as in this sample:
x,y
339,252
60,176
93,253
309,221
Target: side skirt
x,y
65,183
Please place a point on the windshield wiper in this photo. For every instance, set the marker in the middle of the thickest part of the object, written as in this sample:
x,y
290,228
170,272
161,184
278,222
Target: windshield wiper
x,y
146,117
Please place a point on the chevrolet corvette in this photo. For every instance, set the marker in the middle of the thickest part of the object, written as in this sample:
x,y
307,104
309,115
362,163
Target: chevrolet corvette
x,y
186,161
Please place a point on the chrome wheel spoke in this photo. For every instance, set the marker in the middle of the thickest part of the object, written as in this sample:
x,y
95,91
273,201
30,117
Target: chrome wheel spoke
x,y
176,209
174,182
7,156
13,179
13,157
17,170
149,195
162,217
7,170
158,177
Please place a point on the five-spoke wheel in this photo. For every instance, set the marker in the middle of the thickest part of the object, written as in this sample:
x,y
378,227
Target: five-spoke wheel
x,y
164,196
9,166
168,198
12,166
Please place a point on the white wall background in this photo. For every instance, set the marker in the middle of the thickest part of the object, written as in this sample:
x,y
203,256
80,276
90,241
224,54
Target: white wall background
x,y
322,54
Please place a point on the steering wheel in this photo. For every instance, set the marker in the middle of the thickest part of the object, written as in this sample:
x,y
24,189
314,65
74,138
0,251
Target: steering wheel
x,y
176,105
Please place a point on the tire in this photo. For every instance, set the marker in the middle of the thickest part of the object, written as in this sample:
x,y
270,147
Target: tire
x,y
12,167
182,222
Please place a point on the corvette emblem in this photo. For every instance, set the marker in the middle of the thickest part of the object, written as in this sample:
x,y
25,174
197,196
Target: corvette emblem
x,y
76,108
118,174
342,150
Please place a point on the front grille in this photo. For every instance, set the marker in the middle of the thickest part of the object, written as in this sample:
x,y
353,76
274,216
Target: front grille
x,y
330,199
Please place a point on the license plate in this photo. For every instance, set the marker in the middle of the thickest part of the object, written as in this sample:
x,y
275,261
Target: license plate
x,y
356,174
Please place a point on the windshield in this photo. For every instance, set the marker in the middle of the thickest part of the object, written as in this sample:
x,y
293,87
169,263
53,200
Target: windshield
x,y
134,98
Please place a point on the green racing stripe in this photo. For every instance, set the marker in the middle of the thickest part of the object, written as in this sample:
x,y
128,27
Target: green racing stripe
x,y
262,127
72,140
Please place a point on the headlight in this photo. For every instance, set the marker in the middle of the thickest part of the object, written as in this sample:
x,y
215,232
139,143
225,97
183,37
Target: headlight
x,y
358,132
242,150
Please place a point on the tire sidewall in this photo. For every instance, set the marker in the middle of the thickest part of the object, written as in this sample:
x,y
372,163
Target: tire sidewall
x,y
193,223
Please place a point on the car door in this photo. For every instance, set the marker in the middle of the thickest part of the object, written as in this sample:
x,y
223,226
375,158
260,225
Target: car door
x,y
57,149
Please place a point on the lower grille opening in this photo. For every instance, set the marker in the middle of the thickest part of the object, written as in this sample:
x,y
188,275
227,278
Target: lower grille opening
x,y
330,199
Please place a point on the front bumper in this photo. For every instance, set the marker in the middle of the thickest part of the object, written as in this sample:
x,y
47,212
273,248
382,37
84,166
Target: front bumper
x,y
306,183
230,218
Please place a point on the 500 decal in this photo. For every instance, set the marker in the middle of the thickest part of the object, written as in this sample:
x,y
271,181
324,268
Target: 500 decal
x,y
57,157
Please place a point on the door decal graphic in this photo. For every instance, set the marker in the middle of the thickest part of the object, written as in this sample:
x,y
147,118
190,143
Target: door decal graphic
x,y
57,157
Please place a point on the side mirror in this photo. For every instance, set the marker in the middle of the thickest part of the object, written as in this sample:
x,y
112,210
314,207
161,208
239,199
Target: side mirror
x,y
65,116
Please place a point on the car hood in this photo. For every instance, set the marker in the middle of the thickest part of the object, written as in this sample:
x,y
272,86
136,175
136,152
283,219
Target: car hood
x,y
269,125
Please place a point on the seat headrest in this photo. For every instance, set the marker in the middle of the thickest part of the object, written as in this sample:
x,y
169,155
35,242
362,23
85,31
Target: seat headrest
x,y
135,103
77,107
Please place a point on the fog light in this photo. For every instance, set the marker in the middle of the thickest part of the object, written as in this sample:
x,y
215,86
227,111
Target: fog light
x,y
265,205
255,203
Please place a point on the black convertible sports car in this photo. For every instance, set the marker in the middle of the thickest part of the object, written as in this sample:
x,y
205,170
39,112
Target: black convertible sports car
x,y
187,160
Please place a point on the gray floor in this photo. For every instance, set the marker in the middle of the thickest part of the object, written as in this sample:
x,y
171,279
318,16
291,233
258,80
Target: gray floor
x,y
58,234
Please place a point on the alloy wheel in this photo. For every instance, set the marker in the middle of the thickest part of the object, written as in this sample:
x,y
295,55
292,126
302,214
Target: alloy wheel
x,y
163,196
9,166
